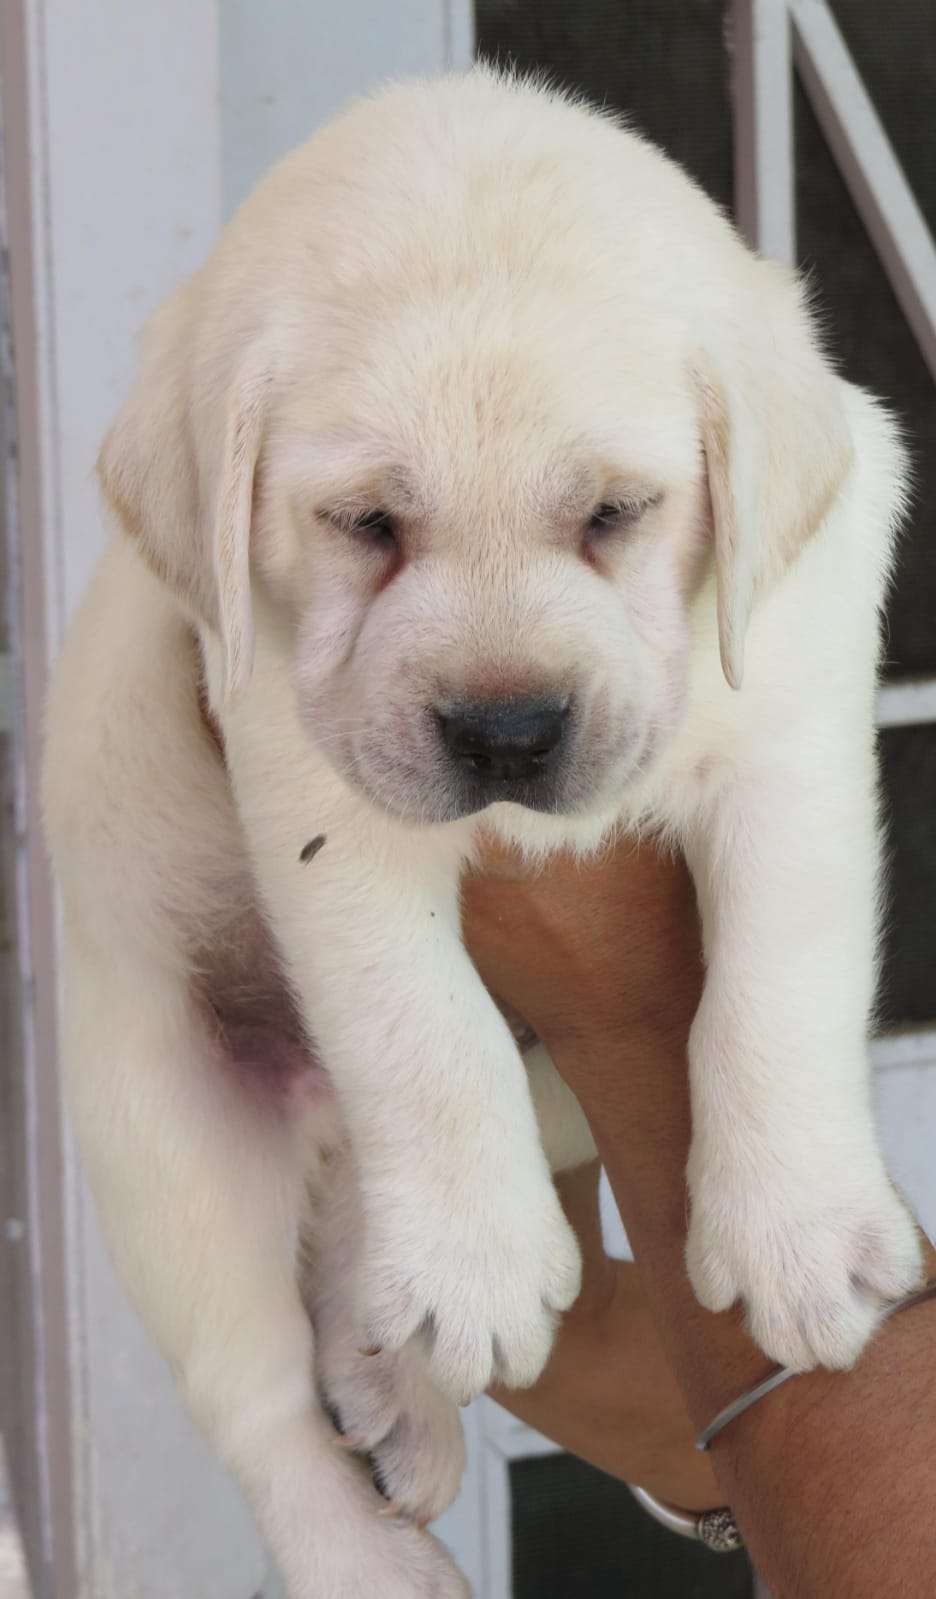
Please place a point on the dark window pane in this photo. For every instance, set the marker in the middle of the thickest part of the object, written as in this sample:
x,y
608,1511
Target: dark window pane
x,y
578,1533
663,62
908,761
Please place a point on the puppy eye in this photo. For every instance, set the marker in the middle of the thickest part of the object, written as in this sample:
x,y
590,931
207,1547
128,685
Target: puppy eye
x,y
616,516
377,527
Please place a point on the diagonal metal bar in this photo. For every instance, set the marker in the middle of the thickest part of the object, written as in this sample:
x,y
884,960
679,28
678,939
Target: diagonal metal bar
x,y
866,159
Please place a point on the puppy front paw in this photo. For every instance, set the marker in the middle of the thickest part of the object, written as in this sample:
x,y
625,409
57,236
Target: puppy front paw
x,y
482,1275
815,1262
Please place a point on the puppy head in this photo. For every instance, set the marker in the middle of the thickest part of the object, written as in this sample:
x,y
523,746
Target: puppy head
x,y
488,573
471,391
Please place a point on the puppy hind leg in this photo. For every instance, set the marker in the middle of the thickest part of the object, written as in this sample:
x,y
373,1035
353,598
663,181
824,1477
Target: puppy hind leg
x,y
385,1401
201,1193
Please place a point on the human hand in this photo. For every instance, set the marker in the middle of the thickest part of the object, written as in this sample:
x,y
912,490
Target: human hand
x,y
588,951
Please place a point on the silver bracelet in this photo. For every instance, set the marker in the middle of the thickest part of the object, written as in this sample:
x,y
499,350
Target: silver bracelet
x,y
782,1374
717,1529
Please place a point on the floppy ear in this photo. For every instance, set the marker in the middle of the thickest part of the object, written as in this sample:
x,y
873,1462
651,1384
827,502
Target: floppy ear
x,y
177,468
776,445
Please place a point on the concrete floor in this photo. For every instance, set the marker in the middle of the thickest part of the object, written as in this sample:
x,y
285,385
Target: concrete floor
x,y
13,1583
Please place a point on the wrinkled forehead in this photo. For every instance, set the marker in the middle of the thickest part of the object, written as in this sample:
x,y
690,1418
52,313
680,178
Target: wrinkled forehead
x,y
480,402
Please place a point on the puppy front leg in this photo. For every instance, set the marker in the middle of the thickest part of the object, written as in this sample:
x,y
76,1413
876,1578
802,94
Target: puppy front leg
x,y
200,1188
464,1236
792,1210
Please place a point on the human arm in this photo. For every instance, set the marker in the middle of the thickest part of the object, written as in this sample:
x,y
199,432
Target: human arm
x,y
608,1393
833,1476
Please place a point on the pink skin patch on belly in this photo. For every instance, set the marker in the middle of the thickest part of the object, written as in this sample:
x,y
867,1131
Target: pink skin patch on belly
x,y
275,1068
262,1048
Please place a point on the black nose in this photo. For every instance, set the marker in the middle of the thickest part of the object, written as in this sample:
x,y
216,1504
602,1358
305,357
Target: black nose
x,y
504,740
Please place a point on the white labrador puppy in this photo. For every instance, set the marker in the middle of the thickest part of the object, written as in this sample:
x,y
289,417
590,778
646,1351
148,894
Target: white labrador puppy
x,y
456,483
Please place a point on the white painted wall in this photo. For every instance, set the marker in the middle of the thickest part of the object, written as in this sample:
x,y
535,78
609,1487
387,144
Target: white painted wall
x,y
288,67
133,202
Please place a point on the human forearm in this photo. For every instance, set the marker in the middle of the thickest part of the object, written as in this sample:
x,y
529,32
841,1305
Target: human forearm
x,y
608,1393
833,1478
798,1450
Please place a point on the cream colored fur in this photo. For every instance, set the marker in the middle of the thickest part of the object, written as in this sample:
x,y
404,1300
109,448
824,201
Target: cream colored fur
x,y
482,309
